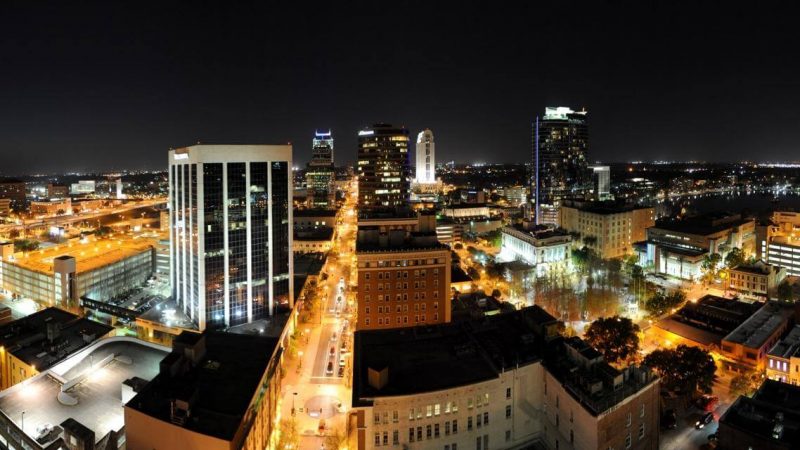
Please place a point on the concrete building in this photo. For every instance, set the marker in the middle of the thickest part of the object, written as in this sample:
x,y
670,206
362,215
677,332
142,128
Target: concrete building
x,y
677,247
5,206
15,191
750,341
314,218
83,187
540,246
57,191
783,360
231,242
384,167
312,240
757,280
500,381
426,158
560,145
601,183
780,243
466,211
80,398
608,228
51,208
516,195
214,391
768,420
37,342
60,275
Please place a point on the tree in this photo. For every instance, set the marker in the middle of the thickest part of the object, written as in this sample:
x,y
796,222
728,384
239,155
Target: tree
x,y
709,266
734,258
473,273
288,437
661,303
785,291
458,246
25,245
496,293
690,368
745,383
335,440
617,338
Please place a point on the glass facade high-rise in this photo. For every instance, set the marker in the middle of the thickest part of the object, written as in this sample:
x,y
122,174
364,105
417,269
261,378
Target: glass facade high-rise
x,y
320,176
560,145
384,166
230,245
426,158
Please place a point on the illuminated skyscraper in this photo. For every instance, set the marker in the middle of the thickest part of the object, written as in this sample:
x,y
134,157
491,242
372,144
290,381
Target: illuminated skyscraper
x,y
601,182
383,166
320,177
560,144
426,158
230,239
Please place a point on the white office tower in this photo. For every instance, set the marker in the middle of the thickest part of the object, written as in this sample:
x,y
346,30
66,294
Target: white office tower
x,y
426,158
230,235
601,182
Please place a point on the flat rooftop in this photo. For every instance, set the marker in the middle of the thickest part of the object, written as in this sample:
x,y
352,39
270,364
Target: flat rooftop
x,y
431,358
224,380
754,331
757,415
604,207
93,254
314,212
27,338
99,396
313,234
788,346
702,225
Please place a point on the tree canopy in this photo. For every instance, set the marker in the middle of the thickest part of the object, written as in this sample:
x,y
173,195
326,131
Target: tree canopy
x,y
687,367
617,338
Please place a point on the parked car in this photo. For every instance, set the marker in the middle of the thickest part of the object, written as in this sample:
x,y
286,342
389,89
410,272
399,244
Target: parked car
x,y
707,403
329,369
705,420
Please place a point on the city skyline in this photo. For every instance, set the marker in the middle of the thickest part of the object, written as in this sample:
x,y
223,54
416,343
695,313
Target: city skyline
x,y
150,82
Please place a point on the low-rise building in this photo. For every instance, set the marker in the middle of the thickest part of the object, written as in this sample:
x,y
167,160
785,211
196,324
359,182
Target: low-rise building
x,y
80,398
759,279
35,343
51,208
213,391
474,211
538,246
5,206
677,247
608,228
750,341
57,191
15,191
312,240
501,381
784,358
780,241
314,218
768,420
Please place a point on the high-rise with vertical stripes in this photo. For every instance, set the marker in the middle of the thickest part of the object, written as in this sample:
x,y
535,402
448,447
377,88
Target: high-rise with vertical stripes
x,y
230,236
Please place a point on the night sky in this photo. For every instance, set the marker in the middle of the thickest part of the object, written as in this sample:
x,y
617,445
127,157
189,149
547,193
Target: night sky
x,y
113,85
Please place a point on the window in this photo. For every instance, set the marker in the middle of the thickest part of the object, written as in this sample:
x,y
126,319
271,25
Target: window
x,y
455,446
508,435
641,431
447,407
436,409
429,413
385,438
486,398
486,418
411,414
469,403
455,407
419,433
366,321
376,418
469,423
508,411
571,437
628,421
641,411
485,442
628,441
478,420
508,392
455,426
436,430
446,446
428,432
478,443
395,437
395,417
377,439
366,310
447,428
411,434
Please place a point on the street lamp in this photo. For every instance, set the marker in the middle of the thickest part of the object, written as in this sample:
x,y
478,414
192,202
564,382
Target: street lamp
x,y
294,395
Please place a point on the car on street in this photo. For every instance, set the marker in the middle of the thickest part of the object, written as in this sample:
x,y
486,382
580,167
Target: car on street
x,y
705,420
707,403
333,336
333,351
329,369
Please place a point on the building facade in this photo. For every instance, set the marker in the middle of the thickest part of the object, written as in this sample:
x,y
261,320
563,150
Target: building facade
x,y
608,228
230,232
780,242
750,341
538,247
426,158
320,175
757,280
384,167
14,190
601,183
560,146
783,360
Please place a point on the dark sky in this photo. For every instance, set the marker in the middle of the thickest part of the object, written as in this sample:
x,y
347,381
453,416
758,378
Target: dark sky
x,y
114,84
